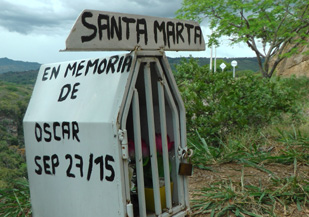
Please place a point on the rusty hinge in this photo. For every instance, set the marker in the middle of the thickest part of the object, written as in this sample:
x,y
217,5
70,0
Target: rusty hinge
x,y
123,138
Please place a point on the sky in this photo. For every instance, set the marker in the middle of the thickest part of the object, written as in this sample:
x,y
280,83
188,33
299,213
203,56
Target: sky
x,y
36,30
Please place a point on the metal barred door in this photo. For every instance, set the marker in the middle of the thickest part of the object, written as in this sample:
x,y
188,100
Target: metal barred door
x,y
153,123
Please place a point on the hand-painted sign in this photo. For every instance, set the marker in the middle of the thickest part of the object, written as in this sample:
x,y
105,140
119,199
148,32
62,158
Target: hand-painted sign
x,y
98,30
72,153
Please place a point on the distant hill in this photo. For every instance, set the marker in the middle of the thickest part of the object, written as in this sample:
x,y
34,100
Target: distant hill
x,y
27,77
244,63
20,72
8,65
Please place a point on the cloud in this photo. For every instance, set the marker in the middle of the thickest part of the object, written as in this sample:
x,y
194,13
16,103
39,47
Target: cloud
x,y
44,17
35,30
161,8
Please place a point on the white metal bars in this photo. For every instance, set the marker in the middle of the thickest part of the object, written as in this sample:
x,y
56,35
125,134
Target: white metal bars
x,y
167,179
150,69
138,154
152,139
178,181
164,93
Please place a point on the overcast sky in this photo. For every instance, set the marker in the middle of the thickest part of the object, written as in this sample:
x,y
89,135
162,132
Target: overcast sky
x,y
35,30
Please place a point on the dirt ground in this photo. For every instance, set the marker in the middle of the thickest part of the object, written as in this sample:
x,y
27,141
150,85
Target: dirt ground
x,y
252,176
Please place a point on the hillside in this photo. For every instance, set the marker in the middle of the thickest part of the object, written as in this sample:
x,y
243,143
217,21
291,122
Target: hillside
x,y
249,63
14,100
8,65
19,72
25,77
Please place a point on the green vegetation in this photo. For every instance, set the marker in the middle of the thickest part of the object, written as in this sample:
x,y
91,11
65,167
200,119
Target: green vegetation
x,y
27,77
252,122
247,63
227,197
16,201
14,99
14,192
249,196
217,104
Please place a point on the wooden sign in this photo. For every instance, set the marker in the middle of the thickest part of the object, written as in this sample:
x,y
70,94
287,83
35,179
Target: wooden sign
x,y
106,31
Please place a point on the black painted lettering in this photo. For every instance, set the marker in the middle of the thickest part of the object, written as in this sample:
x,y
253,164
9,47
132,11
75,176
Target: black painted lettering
x,y
99,160
80,164
70,68
39,169
55,72
65,91
88,26
74,91
110,168
90,166
38,132
46,158
111,64
66,129
79,68
170,32
69,174
47,132
55,125
90,65
102,66
44,78
75,130
120,63
161,28
189,27
141,29
56,131
128,21
179,30
127,64
54,163
116,28
198,35
103,26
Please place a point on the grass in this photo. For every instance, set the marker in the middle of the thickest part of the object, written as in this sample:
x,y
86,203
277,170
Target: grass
x,y
283,145
242,198
228,197
15,202
225,198
254,147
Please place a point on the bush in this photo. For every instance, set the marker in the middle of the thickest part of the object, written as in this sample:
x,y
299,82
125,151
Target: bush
x,y
217,104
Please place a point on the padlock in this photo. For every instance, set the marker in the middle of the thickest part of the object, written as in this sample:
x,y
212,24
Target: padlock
x,y
185,169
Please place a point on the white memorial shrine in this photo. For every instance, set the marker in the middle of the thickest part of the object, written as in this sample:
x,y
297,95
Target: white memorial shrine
x,y
107,136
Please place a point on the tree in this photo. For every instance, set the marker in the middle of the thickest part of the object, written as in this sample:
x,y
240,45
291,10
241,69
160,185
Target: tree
x,y
272,23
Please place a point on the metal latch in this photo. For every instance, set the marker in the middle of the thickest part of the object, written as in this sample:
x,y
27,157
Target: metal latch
x,y
123,138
